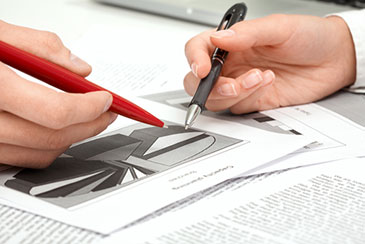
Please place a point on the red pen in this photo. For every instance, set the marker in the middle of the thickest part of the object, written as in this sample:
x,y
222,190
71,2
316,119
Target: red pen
x,y
68,81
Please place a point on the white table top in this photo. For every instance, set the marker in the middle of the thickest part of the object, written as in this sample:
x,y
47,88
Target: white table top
x,y
70,19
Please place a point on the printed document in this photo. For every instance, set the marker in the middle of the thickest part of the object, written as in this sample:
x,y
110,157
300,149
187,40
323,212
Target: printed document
x,y
314,204
133,169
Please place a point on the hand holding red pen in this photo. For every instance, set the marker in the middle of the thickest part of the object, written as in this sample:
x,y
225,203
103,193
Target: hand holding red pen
x,y
38,123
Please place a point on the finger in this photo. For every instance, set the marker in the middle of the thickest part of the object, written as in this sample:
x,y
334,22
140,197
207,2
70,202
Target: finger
x,y
198,51
247,83
27,157
271,30
262,99
20,132
226,87
238,88
227,91
44,44
191,83
48,107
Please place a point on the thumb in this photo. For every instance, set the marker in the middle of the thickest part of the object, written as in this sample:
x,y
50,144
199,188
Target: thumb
x,y
268,31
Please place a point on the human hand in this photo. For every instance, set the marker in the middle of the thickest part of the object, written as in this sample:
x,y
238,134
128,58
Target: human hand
x,y
279,60
38,123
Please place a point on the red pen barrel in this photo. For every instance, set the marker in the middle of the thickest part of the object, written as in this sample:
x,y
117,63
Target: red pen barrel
x,y
68,81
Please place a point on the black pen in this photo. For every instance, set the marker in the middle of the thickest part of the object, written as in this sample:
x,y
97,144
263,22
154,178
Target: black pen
x,y
235,14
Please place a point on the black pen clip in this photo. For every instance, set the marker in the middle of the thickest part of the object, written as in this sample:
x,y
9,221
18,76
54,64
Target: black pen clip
x,y
234,14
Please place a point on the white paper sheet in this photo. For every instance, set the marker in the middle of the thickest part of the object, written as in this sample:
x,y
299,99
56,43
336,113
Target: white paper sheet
x,y
194,160
133,60
316,204
21,226
334,135
337,136
17,226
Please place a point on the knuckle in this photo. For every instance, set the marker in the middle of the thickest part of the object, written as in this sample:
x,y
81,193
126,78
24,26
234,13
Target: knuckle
x,y
97,126
95,131
88,113
62,111
52,42
101,126
20,157
235,111
60,118
42,163
56,140
94,110
46,159
91,108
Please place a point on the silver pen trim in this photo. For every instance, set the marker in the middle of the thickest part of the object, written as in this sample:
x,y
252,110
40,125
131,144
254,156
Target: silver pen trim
x,y
193,111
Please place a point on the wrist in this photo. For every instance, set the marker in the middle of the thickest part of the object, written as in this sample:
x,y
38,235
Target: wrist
x,y
346,49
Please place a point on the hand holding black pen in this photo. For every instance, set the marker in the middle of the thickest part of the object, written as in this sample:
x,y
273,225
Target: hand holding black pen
x,y
235,14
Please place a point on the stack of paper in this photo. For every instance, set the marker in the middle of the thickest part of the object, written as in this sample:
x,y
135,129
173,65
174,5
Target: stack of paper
x,y
226,179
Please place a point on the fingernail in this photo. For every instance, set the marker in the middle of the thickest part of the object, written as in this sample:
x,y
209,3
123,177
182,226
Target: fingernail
x,y
223,33
113,117
108,103
194,69
269,76
227,89
81,64
252,80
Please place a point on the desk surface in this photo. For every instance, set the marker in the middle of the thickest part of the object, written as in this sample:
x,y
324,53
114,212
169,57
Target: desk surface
x,y
70,19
